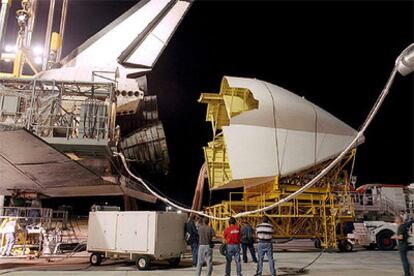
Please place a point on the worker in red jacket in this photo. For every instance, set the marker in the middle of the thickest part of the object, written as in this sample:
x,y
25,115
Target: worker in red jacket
x,y
232,239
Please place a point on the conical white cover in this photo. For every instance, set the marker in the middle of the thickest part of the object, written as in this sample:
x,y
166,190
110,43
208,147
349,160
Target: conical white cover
x,y
286,134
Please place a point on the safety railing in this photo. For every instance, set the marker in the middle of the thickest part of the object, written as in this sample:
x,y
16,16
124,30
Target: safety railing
x,y
28,215
69,110
30,227
364,202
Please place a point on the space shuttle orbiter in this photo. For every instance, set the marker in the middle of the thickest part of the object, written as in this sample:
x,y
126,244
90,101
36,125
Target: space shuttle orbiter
x,y
59,128
126,49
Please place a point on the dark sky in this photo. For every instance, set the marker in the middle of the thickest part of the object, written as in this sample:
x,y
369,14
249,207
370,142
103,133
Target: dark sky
x,y
336,54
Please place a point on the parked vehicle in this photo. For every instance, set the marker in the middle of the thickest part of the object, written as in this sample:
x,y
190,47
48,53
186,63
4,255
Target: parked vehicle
x,y
139,236
375,208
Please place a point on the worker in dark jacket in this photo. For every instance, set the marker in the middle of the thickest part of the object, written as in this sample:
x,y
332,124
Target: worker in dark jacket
x,y
191,237
247,241
402,238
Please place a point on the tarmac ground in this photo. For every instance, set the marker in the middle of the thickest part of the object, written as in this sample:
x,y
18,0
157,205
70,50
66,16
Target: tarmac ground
x,y
360,262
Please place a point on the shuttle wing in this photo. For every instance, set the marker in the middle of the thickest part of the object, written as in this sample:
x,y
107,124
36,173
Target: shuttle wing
x,y
28,164
127,48
134,40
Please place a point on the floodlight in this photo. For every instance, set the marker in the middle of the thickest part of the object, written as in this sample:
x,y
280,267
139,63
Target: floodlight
x,y
38,60
10,48
405,62
37,50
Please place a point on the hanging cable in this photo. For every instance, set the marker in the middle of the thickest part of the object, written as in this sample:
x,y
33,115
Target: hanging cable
x,y
351,145
164,199
312,182
275,127
351,173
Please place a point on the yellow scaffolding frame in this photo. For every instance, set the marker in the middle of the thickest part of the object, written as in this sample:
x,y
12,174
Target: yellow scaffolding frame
x,y
319,213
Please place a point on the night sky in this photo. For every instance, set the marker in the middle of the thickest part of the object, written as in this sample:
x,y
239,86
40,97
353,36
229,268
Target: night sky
x,y
336,54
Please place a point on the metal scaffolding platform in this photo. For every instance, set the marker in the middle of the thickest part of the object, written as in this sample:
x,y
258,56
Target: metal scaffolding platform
x,y
74,117
321,213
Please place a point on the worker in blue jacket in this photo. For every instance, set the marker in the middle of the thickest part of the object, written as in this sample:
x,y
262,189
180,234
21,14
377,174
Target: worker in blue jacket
x,y
402,239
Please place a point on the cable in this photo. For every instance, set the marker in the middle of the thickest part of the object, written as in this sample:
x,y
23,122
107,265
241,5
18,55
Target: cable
x,y
313,261
312,182
351,174
303,269
148,183
163,199
351,145
275,132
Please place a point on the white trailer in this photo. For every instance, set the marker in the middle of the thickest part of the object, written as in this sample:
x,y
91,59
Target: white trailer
x,y
138,236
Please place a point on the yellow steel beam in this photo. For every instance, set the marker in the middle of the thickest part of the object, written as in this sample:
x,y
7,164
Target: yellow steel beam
x,y
55,42
18,64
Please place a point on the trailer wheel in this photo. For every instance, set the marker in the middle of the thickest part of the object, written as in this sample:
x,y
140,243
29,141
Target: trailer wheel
x,y
345,246
96,258
174,261
384,240
143,262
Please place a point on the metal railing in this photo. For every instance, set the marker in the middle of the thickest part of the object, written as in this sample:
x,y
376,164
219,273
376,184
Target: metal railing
x,y
51,109
28,215
364,202
34,227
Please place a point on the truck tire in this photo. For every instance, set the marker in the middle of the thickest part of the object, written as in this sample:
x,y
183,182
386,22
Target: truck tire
x,y
143,262
174,261
96,258
384,241
345,246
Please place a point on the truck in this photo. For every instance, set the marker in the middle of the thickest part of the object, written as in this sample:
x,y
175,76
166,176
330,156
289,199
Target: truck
x,y
376,205
139,236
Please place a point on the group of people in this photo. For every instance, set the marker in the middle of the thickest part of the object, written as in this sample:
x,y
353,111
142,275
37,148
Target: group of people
x,y
199,235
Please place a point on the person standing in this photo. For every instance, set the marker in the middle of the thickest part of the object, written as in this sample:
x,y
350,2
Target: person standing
x,y
247,241
402,238
264,232
404,215
9,228
205,250
232,239
191,237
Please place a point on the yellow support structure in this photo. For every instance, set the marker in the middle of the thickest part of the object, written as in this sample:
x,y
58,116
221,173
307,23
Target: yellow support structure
x,y
18,64
55,42
319,213
220,108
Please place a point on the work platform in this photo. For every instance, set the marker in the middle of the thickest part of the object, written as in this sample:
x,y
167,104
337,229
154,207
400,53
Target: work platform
x,y
58,139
